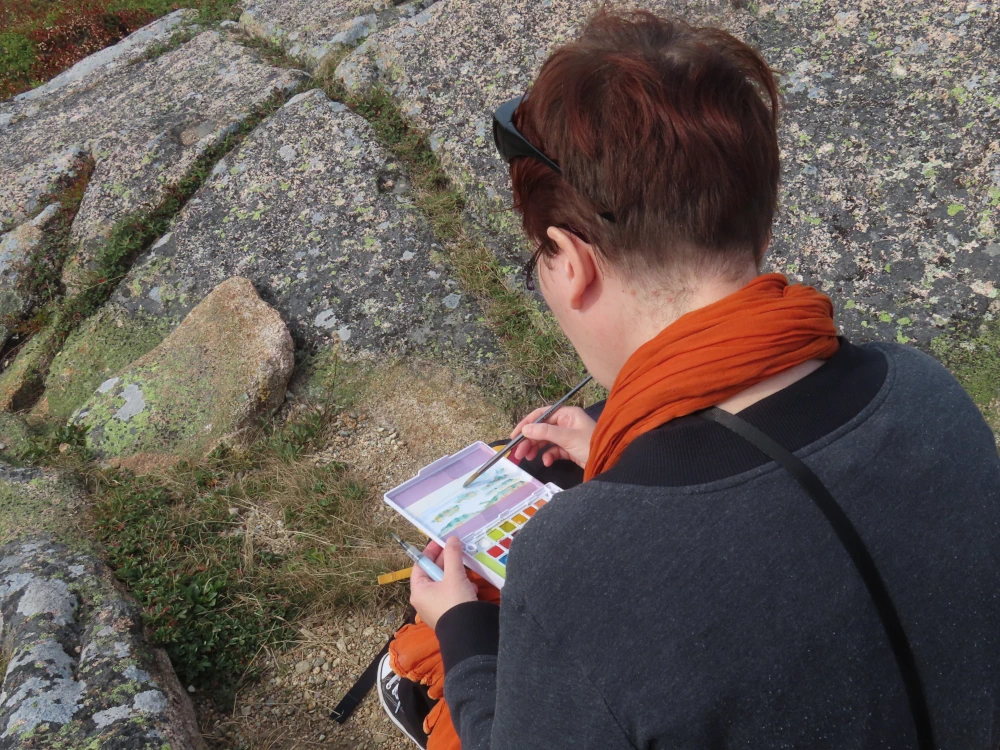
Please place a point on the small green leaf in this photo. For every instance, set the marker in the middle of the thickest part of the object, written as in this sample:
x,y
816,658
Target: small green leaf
x,y
904,322
954,208
850,304
885,317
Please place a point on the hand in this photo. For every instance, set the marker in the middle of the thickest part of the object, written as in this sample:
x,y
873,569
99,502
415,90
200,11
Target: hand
x,y
568,431
431,598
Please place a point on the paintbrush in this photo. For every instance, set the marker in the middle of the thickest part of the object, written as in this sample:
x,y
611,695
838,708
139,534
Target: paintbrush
x,y
513,443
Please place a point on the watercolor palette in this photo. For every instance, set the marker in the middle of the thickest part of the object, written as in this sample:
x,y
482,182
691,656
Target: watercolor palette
x,y
486,516
491,546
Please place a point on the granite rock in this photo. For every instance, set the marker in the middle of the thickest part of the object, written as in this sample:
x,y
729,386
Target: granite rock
x,y
313,211
210,380
35,501
17,249
309,30
142,121
128,50
22,380
101,347
80,672
891,196
891,142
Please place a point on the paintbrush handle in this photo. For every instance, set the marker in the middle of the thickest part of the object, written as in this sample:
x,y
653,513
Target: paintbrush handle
x,y
513,443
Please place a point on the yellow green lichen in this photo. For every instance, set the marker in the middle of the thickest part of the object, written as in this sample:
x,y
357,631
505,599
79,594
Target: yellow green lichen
x,y
108,343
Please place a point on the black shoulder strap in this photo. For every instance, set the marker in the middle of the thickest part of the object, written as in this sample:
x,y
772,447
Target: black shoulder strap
x,y
855,547
360,689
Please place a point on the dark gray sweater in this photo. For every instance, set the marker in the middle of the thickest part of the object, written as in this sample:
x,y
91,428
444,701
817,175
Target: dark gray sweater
x,y
645,612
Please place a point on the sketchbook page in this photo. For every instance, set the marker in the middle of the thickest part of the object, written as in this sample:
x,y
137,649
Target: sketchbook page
x,y
455,510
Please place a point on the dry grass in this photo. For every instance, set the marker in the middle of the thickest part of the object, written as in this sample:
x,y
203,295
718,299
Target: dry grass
x,y
225,553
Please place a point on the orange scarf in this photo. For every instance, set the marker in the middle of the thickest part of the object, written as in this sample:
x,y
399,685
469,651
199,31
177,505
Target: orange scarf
x,y
711,354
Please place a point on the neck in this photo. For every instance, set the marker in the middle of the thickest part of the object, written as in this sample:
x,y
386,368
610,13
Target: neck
x,y
669,305
648,311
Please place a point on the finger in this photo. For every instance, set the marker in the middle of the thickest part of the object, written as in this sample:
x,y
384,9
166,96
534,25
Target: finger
x,y
527,420
433,550
453,565
418,578
520,450
572,416
564,437
554,454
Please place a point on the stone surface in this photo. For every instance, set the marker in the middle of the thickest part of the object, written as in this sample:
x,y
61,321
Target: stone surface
x,y
124,52
889,135
309,30
22,381
17,248
144,122
80,673
96,351
312,210
226,365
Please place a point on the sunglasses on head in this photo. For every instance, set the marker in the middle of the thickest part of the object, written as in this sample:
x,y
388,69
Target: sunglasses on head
x,y
511,145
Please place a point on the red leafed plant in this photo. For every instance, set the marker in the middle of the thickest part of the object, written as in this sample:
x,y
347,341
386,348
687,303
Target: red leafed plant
x,y
40,38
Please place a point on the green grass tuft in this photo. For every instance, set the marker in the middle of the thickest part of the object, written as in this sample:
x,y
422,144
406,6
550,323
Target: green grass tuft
x,y
17,54
975,361
223,553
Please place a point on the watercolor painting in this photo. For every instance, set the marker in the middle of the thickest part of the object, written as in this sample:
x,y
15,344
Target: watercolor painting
x,y
447,508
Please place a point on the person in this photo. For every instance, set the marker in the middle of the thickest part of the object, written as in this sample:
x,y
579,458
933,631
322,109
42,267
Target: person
x,y
782,539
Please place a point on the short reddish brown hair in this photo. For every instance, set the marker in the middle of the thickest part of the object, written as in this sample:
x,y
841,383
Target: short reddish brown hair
x,y
666,128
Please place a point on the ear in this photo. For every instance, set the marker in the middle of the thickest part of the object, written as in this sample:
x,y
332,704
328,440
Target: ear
x,y
575,265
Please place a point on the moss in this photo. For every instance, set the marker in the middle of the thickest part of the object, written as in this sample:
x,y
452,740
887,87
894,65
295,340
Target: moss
x,y
14,437
106,345
22,511
975,361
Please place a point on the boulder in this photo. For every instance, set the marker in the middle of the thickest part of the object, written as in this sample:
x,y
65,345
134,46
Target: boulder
x,y
22,380
80,673
226,365
891,157
319,217
309,30
143,122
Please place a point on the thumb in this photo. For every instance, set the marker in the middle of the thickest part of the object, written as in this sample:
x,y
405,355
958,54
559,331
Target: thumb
x,y
453,564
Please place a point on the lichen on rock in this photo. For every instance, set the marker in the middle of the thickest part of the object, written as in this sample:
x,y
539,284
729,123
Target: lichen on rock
x,y
891,158
226,365
14,436
309,30
319,217
103,346
17,250
22,381
80,674
144,124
